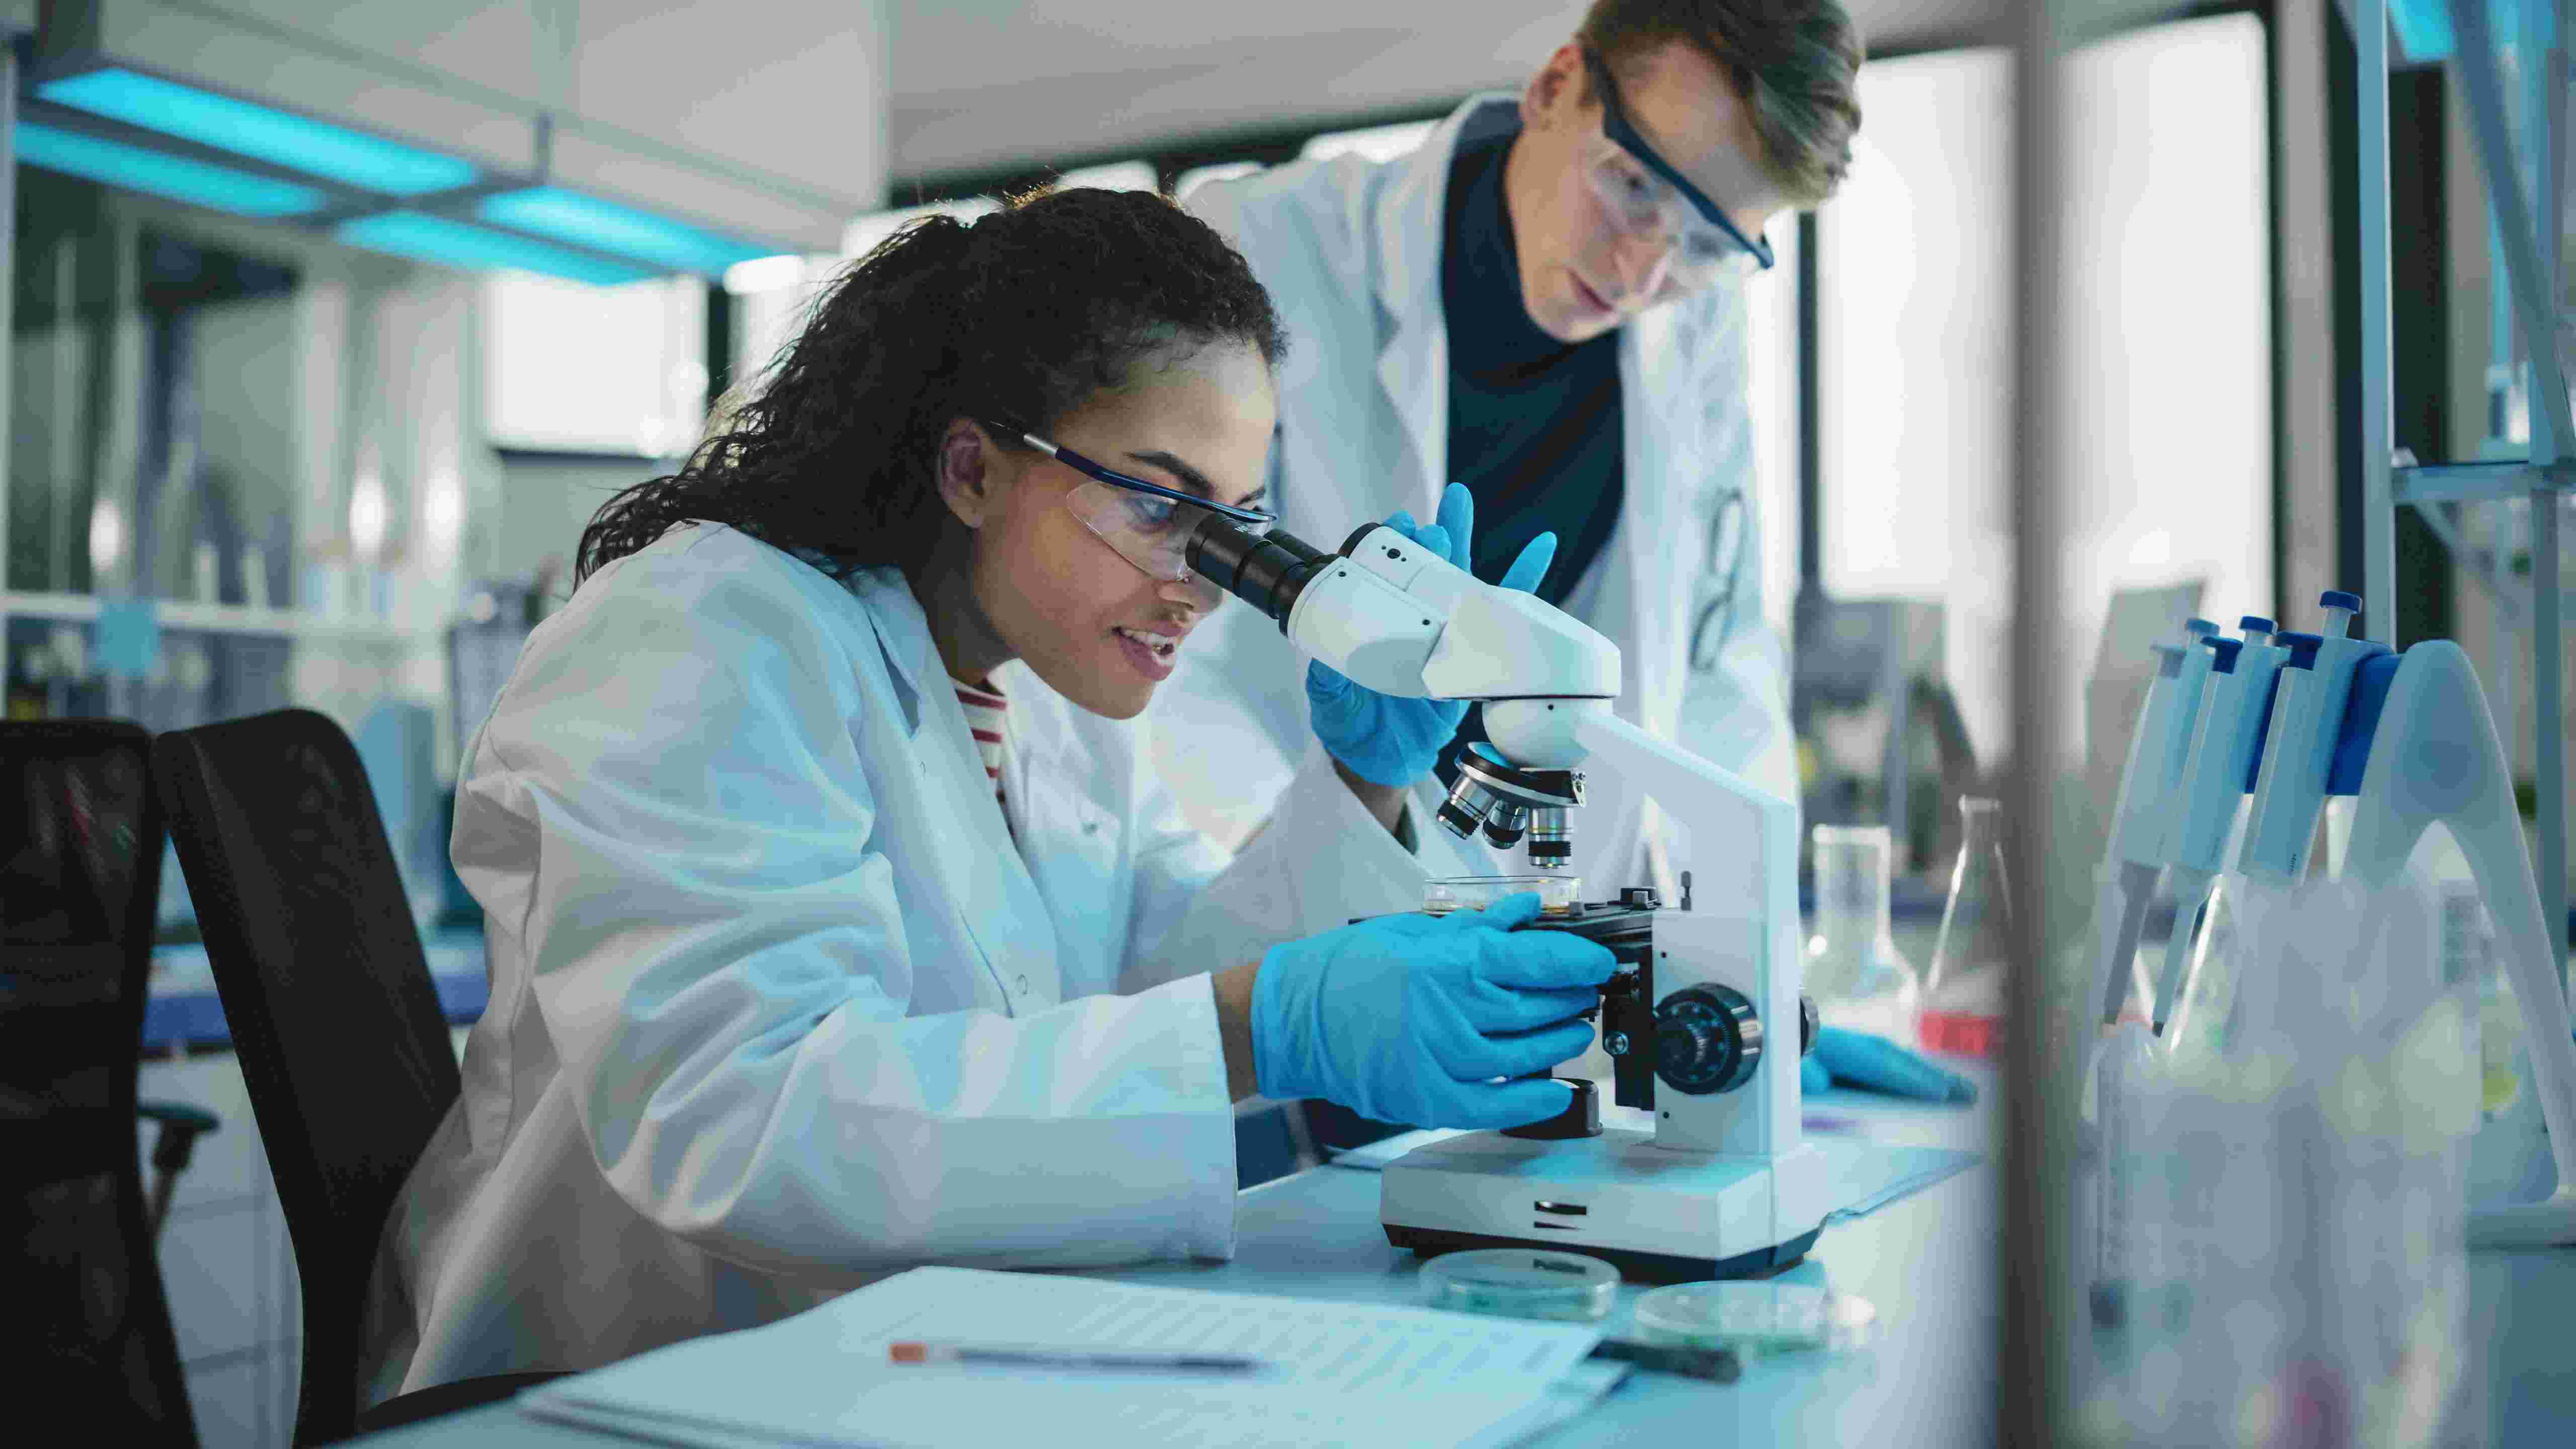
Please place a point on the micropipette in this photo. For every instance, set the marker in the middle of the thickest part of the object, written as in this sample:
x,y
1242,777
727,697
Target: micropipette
x,y
2125,885
2234,708
2291,786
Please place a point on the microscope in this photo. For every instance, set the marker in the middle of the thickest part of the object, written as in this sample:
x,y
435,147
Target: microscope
x,y
1704,1020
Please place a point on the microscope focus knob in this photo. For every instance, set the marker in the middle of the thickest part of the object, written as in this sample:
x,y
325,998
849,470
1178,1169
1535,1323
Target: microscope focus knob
x,y
1707,1039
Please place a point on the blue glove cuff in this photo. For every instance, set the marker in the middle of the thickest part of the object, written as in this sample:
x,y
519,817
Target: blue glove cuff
x,y
1274,1071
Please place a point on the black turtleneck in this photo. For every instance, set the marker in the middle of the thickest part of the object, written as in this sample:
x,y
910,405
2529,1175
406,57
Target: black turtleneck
x,y
1534,429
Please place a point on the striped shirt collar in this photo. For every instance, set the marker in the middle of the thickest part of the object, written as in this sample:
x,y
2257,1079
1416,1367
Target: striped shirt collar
x,y
988,716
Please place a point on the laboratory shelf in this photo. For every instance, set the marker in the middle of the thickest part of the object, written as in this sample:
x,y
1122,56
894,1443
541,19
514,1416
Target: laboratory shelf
x,y
231,619
2475,482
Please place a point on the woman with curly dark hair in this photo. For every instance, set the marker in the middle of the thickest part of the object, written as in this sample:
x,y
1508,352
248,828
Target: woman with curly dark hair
x,y
837,921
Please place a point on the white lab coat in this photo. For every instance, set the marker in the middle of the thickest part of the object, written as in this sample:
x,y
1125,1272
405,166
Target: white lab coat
x,y
1350,250
776,1006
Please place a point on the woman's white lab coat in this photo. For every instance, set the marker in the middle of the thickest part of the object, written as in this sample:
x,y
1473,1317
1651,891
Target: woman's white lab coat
x,y
778,1004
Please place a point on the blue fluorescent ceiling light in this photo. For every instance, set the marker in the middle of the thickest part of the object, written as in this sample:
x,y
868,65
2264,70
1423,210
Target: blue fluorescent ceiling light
x,y
282,138
180,178
2423,28
449,243
587,220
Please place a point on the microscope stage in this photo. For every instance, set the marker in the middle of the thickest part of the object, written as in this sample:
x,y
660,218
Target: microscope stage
x,y
1618,1195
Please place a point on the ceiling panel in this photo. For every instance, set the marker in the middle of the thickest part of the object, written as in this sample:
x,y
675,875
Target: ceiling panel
x,y
982,84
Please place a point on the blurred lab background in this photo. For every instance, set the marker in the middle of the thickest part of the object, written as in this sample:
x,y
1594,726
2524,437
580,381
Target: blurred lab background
x,y
331,324
321,425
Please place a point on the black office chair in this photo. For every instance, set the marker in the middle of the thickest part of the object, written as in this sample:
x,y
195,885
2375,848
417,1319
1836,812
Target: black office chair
x,y
332,1013
84,1324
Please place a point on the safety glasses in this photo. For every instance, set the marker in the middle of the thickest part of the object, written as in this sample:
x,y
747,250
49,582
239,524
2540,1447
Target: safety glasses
x,y
1642,191
1147,524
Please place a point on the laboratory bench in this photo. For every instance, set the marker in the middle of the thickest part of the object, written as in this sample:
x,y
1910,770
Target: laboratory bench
x,y
1928,1263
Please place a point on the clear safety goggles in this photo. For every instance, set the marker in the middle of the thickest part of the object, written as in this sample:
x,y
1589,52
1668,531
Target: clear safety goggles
x,y
1145,523
1641,192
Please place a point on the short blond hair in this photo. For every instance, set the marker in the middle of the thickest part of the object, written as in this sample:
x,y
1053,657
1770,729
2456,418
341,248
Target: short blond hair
x,y
1795,63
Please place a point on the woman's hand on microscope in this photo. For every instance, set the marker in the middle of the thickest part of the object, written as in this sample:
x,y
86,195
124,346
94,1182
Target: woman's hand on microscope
x,y
1426,1019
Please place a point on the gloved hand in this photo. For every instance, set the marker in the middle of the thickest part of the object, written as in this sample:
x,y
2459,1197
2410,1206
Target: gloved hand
x,y
1874,1064
1390,741
1410,1018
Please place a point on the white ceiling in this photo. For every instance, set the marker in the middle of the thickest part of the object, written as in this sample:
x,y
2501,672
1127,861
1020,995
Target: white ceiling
x,y
987,84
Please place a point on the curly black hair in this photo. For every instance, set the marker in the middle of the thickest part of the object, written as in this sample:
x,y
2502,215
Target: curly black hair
x,y
1022,316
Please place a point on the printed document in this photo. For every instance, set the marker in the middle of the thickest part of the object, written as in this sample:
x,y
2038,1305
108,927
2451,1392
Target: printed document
x,y
1344,1374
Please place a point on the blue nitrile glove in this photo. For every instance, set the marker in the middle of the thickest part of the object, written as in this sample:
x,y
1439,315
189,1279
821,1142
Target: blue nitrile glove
x,y
1390,741
1410,1018
1875,1064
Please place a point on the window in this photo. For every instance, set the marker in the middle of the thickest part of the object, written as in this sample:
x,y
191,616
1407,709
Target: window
x,y
770,297
1914,374
2170,330
2168,348
1116,176
581,369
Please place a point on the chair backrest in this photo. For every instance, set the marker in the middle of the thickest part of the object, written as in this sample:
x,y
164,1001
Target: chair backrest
x,y
85,1322
328,997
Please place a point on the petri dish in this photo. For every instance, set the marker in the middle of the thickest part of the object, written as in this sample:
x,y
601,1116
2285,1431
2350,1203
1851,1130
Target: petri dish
x,y
1522,1283
1557,894
1757,1318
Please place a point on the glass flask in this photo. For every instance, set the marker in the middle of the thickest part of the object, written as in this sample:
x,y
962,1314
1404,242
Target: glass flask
x,y
1963,988
1854,971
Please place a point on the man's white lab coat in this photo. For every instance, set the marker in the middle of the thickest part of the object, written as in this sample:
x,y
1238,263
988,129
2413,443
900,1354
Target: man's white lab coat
x,y
779,1004
1350,250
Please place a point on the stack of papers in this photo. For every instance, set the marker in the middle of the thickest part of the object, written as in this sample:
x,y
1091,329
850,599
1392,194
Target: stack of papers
x,y
1345,1374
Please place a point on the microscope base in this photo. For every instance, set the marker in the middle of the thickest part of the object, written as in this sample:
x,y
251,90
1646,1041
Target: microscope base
x,y
1654,1212
2548,1223
1635,1267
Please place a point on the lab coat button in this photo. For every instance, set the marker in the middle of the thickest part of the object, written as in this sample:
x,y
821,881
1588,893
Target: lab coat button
x,y
1022,985
1091,827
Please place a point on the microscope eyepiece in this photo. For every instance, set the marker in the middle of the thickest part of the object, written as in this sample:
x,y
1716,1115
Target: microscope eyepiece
x,y
1266,570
